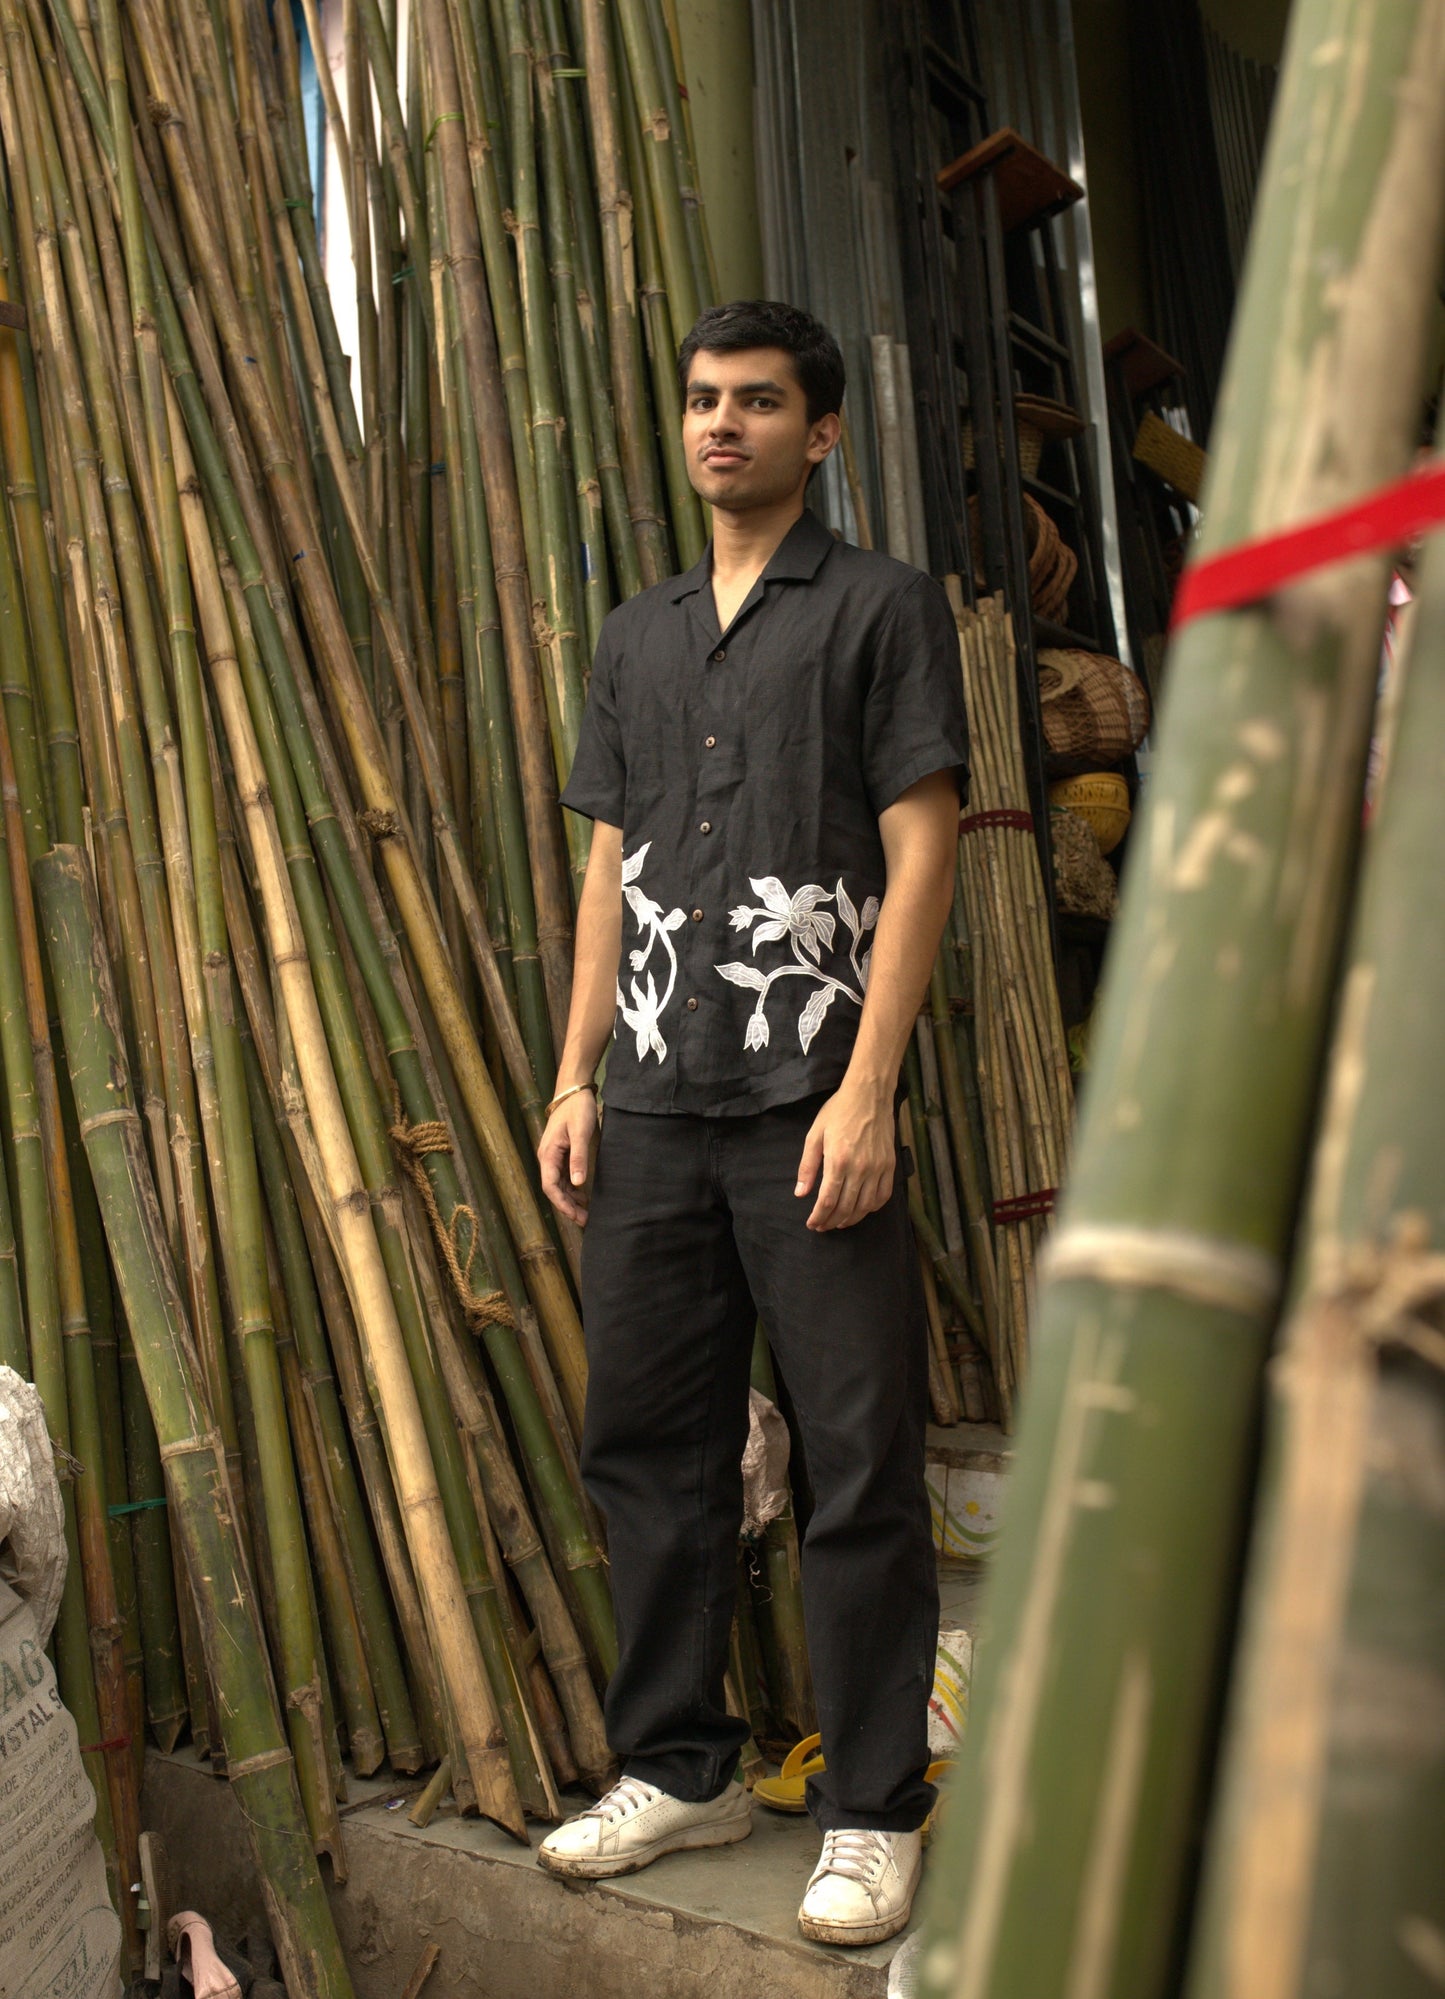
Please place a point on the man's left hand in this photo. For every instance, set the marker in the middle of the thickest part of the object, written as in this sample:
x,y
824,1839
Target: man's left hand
x,y
853,1142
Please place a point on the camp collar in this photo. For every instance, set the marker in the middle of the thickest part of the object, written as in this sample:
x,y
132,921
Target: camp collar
x,y
796,559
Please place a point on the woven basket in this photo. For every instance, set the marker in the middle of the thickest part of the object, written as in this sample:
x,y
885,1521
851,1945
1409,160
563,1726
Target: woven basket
x,y
1102,798
1053,565
1095,711
1084,883
1179,460
1036,419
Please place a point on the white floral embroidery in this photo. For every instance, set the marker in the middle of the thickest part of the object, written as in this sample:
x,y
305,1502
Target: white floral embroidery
x,y
809,929
647,1007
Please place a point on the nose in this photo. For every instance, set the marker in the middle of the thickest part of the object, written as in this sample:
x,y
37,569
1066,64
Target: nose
x,y
724,420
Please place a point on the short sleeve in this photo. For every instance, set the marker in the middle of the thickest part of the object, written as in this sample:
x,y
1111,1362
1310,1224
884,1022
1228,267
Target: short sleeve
x,y
914,721
597,783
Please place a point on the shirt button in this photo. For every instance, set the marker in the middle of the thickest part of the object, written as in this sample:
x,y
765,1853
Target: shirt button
x,y
712,742
706,826
697,916
692,1006
721,653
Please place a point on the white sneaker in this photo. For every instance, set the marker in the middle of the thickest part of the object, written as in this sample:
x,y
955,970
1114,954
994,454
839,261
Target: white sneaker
x,y
862,1888
635,1824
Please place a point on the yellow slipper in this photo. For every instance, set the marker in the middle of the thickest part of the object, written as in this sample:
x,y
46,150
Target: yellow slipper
x,y
785,1792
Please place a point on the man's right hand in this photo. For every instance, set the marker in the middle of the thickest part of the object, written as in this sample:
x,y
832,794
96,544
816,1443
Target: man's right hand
x,y
567,1153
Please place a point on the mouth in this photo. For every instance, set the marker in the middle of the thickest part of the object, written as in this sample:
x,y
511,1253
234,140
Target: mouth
x,y
724,458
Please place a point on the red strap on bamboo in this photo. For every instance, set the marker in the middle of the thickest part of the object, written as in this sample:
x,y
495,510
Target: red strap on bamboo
x,y
1386,518
998,815
100,1748
1024,1207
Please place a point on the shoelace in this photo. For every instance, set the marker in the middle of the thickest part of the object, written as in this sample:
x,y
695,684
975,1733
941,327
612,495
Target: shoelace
x,y
626,1797
856,1854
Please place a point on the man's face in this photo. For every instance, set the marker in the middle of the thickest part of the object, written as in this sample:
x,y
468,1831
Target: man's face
x,y
745,429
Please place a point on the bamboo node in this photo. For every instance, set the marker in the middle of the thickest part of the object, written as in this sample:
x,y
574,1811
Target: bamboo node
x,y
413,1143
1228,1275
252,1766
379,824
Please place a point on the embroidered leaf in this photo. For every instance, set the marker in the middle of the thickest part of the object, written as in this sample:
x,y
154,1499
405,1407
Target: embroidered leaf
x,y
769,932
870,912
823,927
656,1043
811,1018
807,899
771,893
809,942
632,866
742,975
846,910
757,1029
863,965
620,1000
673,918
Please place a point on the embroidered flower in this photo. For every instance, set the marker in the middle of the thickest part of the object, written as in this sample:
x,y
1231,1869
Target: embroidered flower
x,y
645,1013
809,929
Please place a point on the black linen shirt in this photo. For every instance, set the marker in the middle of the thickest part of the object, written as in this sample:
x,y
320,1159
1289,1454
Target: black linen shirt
x,y
747,770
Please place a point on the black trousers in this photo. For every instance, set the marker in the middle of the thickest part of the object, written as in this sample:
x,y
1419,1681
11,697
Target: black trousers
x,y
694,1233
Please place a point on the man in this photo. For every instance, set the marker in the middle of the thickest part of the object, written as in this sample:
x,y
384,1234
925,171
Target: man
x,y
773,753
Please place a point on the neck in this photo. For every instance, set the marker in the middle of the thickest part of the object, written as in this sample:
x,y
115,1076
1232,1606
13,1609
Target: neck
x,y
743,542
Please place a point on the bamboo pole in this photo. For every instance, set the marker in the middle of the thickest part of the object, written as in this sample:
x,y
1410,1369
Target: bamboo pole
x,y
1324,1851
433,1556
259,1764
1113,1591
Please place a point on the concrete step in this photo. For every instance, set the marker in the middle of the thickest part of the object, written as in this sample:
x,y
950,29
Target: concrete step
x,y
708,1925
717,1924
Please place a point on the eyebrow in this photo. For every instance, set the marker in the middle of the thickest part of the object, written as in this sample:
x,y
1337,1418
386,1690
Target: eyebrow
x,y
696,388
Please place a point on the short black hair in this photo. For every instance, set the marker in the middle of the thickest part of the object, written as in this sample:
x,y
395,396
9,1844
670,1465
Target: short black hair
x,y
767,322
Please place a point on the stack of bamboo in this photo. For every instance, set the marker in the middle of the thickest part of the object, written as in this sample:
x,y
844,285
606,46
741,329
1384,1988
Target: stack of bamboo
x,y
286,693
1258,1172
282,726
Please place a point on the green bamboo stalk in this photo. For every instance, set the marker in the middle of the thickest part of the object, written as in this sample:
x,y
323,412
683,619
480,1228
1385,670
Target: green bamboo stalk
x,y
77,361
259,1763
1324,1848
187,810
497,768
345,1639
47,1356
684,169
586,239
165,1682
655,131
490,319
298,1287
629,367
522,1547
370,1135
388,1354
663,337
591,528
1113,1591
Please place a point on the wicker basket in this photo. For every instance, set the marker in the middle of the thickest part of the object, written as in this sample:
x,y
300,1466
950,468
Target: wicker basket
x,y
1037,420
1102,798
1053,565
1095,711
1179,460
1084,883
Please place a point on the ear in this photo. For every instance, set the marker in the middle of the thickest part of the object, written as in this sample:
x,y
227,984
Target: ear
x,y
823,436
